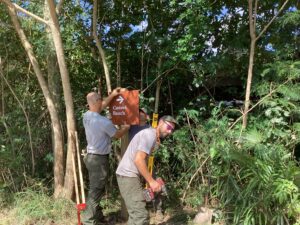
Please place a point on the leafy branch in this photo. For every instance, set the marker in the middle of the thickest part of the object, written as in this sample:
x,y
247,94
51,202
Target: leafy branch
x,y
259,102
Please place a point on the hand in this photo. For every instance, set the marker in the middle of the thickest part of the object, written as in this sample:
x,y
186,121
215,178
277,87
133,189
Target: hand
x,y
155,186
117,91
125,127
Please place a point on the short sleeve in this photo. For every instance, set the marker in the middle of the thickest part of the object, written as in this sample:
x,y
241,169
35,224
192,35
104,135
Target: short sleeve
x,y
109,128
146,142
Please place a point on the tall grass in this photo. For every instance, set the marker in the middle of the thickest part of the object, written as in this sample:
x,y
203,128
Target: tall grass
x,y
36,207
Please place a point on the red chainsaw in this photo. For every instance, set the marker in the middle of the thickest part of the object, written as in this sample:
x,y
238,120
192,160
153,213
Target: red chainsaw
x,y
149,193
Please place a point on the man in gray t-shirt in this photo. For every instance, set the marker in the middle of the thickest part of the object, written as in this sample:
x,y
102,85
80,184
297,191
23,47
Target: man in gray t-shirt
x,y
98,130
144,141
133,165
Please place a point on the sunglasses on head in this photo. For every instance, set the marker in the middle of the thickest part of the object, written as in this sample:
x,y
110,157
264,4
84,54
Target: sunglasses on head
x,y
169,127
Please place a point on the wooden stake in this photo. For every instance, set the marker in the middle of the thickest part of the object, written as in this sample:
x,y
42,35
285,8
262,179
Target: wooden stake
x,y
79,169
75,176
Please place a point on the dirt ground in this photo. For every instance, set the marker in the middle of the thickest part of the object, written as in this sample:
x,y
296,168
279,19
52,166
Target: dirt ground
x,y
179,217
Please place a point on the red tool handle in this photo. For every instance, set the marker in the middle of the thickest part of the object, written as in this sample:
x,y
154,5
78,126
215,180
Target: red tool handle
x,y
80,207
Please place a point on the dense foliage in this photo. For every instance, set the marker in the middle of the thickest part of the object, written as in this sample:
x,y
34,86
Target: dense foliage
x,y
249,176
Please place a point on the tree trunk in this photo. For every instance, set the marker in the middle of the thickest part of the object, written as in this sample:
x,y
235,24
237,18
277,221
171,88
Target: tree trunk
x,y
252,21
1,91
142,62
171,99
158,85
54,84
58,144
254,38
119,64
249,82
54,26
99,46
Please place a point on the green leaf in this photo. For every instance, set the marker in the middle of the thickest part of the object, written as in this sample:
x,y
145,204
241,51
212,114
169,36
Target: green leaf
x,y
253,137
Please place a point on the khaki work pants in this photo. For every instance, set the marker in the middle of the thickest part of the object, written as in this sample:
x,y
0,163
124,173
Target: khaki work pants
x,y
132,192
98,167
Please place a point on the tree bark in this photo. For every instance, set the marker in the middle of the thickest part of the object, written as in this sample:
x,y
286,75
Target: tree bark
x,y
249,82
119,64
54,81
252,21
54,84
171,99
1,91
71,129
158,85
99,46
58,144
254,38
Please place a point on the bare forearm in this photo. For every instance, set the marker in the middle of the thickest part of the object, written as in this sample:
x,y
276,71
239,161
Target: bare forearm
x,y
142,167
110,97
106,101
122,131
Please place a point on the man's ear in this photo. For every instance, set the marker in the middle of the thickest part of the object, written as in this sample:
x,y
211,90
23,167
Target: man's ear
x,y
160,122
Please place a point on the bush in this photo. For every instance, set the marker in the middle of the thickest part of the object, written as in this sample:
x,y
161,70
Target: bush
x,y
251,176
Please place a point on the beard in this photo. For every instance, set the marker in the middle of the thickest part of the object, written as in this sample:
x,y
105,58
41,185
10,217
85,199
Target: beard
x,y
162,136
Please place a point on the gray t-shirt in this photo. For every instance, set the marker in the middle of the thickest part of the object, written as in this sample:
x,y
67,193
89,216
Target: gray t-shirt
x,y
145,141
98,131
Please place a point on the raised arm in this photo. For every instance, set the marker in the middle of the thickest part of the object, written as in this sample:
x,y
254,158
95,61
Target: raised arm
x,y
114,93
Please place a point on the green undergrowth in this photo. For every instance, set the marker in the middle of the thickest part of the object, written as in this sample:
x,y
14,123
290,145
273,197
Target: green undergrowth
x,y
38,208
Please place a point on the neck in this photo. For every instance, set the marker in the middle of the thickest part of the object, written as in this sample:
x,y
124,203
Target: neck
x,y
157,136
93,109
